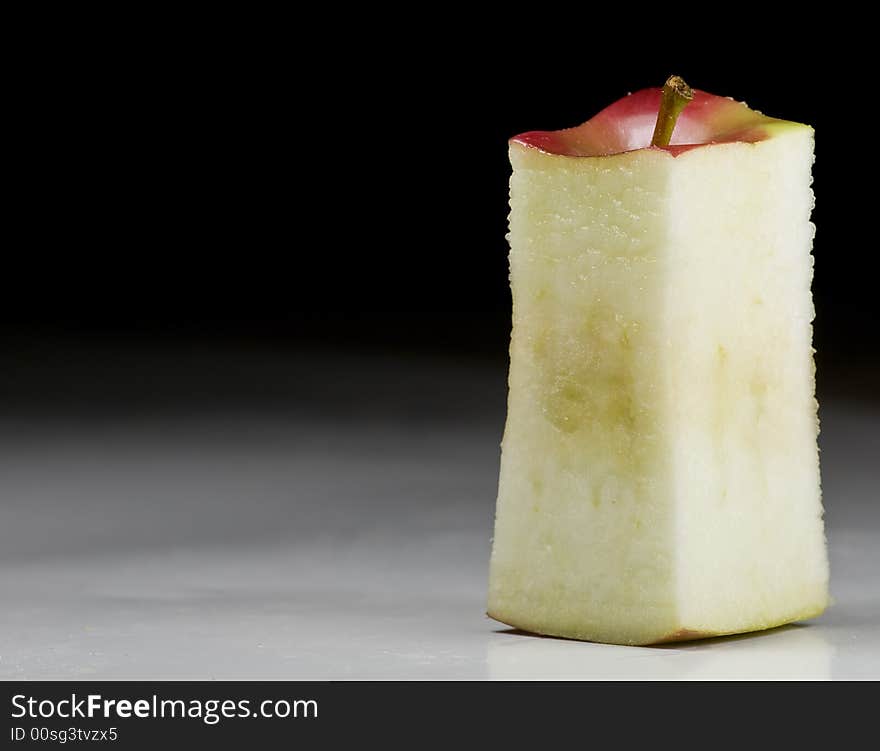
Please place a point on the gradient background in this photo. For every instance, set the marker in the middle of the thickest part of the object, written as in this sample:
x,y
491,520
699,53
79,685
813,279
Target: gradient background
x,y
255,321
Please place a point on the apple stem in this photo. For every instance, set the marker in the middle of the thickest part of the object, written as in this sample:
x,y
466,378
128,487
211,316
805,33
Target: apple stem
x,y
676,96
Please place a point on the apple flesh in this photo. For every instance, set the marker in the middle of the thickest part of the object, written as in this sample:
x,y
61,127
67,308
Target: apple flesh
x,y
659,473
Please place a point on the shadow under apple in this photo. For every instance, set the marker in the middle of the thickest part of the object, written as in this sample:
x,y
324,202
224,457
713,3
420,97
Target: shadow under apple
x,y
793,652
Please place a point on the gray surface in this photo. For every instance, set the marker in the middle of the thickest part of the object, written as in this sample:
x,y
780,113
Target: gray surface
x,y
303,518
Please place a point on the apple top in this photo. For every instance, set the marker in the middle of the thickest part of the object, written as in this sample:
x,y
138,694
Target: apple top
x,y
628,125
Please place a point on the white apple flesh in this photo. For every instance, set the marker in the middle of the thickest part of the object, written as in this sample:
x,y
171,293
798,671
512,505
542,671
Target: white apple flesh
x,y
659,472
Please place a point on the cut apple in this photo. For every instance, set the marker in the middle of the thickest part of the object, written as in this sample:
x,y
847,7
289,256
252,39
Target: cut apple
x,y
659,472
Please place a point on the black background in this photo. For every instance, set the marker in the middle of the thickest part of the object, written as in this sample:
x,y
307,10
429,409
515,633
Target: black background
x,y
217,179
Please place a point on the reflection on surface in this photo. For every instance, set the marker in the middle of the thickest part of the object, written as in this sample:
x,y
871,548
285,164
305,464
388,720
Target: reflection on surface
x,y
789,653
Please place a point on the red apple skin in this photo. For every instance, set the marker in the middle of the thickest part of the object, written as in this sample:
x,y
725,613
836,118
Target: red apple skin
x,y
628,124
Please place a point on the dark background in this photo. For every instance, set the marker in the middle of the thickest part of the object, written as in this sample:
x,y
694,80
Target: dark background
x,y
178,190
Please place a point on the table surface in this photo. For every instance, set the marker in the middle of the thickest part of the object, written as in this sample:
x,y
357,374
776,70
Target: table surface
x,y
340,538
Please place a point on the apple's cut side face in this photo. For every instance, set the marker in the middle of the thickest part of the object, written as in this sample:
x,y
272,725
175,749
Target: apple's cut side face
x,y
659,472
